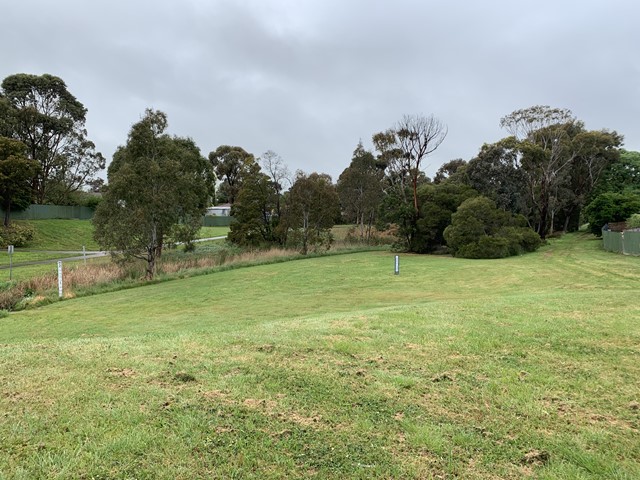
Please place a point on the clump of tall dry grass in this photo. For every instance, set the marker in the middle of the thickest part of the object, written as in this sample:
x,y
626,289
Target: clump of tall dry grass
x,y
171,265
32,290
80,278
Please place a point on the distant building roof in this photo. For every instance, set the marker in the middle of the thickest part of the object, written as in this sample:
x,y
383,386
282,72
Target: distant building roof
x,y
222,210
617,226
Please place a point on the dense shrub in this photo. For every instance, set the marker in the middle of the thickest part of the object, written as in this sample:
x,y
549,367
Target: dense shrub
x,y
634,221
18,235
92,201
481,230
437,203
610,207
484,247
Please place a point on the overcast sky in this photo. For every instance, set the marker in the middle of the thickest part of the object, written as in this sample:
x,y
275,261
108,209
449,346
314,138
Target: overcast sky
x,y
310,78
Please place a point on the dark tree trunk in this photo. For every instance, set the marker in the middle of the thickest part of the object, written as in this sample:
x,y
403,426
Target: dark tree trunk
x,y
7,215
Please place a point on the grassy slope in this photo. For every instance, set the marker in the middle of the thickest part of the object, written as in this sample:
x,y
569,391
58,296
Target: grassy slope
x,y
335,368
63,235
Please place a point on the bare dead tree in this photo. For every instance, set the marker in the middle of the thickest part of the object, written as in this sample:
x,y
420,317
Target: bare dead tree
x,y
418,137
278,172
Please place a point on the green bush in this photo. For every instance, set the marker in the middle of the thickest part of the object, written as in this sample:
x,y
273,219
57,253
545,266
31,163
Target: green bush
x,y
520,239
634,221
92,201
610,207
485,247
530,241
481,230
18,235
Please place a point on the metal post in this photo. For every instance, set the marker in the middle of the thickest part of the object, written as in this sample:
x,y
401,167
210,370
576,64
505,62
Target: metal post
x,y
59,278
10,249
84,254
397,265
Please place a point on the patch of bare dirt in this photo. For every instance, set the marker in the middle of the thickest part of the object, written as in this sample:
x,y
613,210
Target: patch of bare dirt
x,y
121,372
534,457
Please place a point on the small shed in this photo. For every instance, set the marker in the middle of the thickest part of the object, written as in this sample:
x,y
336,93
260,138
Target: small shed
x,y
223,210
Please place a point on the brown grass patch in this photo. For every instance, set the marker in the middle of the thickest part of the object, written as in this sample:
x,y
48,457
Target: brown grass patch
x,y
80,277
121,372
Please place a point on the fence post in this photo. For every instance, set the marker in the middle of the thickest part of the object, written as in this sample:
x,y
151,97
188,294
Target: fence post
x,y
10,250
59,279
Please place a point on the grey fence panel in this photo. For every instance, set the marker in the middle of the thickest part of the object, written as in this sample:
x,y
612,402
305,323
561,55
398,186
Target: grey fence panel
x,y
627,242
46,212
612,241
216,221
631,242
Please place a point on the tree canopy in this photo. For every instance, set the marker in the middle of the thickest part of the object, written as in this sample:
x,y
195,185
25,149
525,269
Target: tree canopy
x,y
401,152
40,112
256,212
360,190
230,164
312,208
16,171
560,161
158,185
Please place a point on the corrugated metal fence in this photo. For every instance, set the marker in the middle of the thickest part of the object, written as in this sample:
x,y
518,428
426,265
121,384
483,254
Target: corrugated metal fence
x,y
216,221
627,242
45,212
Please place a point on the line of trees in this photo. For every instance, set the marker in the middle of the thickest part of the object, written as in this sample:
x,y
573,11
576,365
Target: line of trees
x,y
549,174
504,201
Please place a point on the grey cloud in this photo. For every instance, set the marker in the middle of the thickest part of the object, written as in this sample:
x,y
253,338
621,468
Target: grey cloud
x,y
310,79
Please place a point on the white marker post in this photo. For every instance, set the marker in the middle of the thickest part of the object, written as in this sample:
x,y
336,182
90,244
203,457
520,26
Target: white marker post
x,y
397,265
84,254
59,279
10,250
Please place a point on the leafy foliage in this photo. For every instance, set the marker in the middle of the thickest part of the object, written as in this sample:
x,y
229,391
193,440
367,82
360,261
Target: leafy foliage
x,y
18,235
312,208
40,112
360,191
622,176
496,173
256,212
611,207
437,203
16,171
230,164
480,230
155,182
561,162
449,170
401,151
634,221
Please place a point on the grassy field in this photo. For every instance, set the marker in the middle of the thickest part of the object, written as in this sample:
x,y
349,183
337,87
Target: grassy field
x,y
334,367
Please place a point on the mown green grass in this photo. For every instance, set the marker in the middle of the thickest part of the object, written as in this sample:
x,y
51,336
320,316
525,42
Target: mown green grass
x,y
210,232
62,235
336,368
